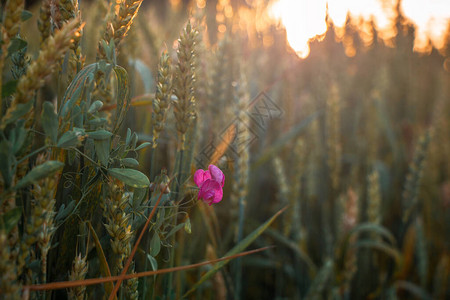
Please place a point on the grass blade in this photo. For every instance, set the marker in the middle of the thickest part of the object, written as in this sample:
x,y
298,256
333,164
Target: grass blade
x,y
104,267
236,249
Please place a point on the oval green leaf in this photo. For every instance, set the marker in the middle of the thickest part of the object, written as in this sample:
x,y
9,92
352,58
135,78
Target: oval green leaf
x,y
130,162
155,245
42,171
130,177
68,139
100,134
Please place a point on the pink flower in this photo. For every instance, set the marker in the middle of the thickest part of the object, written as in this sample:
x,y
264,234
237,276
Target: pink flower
x,y
210,183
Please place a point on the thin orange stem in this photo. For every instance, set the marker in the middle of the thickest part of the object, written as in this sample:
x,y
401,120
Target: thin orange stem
x,y
93,281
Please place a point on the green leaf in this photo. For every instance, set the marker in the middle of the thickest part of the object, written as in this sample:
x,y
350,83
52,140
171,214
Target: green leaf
x,y
370,227
72,101
49,121
97,122
100,134
26,14
81,79
95,107
138,196
77,116
235,250
160,217
65,211
108,49
18,136
71,138
142,146
39,172
319,283
130,177
17,44
9,88
134,140
102,150
10,219
130,162
122,96
155,245
128,138
383,247
164,199
153,262
74,91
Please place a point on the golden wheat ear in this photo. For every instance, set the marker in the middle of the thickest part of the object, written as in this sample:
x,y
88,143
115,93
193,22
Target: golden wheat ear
x,y
53,50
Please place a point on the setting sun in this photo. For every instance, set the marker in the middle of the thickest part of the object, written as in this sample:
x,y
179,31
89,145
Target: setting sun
x,y
305,20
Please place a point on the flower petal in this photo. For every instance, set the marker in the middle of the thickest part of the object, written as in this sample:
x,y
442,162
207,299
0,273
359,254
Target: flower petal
x,y
217,174
201,176
210,192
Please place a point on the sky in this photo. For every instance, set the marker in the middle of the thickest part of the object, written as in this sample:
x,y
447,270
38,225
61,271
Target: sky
x,y
304,19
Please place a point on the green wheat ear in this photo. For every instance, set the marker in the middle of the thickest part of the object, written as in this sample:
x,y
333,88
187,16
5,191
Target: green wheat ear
x,y
9,285
12,21
294,227
118,25
413,178
69,10
242,170
184,80
118,225
162,97
374,198
334,146
79,271
45,20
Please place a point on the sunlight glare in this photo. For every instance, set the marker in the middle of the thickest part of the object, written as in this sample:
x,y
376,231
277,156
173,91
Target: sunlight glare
x,y
304,20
